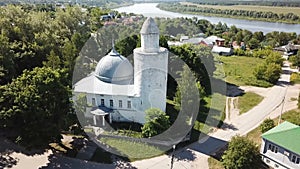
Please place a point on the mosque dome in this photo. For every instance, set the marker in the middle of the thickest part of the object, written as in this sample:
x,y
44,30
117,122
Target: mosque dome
x,y
114,68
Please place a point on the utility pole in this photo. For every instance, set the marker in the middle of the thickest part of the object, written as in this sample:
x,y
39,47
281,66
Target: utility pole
x,y
282,102
173,154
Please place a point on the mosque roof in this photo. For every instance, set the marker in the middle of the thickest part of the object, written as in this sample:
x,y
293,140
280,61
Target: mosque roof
x,y
92,84
114,68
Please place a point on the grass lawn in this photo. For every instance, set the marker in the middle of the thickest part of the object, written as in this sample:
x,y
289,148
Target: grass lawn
x,y
214,109
132,150
247,101
292,116
239,70
275,9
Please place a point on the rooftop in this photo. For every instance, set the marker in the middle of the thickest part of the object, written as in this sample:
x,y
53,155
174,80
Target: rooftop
x,y
286,135
149,27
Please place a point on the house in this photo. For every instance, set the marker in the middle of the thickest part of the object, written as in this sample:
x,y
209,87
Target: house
x,y
222,50
186,40
281,146
288,49
213,40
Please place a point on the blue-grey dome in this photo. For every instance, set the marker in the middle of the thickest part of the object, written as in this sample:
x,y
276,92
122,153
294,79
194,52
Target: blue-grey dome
x,y
114,68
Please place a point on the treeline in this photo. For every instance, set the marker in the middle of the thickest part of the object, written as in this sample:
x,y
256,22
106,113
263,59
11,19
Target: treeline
x,y
267,16
252,40
100,3
38,51
291,3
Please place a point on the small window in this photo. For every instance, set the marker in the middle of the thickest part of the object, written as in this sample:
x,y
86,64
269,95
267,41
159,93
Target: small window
x,y
298,160
267,160
129,104
120,103
111,103
293,158
102,102
276,149
93,101
276,166
269,146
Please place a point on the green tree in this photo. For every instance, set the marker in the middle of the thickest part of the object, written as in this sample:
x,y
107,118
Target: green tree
x,y
272,73
53,61
266,125
35,105
295,59
259,36
241,154
7,68
268,72
156,122
274,57
259,71
253,43
126,46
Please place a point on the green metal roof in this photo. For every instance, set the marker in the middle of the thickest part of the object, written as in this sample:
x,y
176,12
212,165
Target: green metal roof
x,y
286,135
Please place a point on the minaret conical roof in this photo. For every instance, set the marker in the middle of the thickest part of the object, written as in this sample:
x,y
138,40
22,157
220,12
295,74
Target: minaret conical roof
x,y
149,27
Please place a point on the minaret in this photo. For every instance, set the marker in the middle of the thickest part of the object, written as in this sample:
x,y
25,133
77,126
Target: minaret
x,y
150,69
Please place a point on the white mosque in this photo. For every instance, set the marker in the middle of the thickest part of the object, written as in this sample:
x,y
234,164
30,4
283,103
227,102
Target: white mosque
x,y
121,92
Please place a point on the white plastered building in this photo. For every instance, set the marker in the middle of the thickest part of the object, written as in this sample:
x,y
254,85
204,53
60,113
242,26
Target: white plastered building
x,y
121,92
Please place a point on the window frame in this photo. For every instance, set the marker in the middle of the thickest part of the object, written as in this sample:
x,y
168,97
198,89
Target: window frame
x,y
111,103
129,104
120,104
93,101
102,102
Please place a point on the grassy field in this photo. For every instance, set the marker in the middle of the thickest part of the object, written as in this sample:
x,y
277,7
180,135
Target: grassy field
x,y
292,116
239,70
214,110
247,101
132,150
275,9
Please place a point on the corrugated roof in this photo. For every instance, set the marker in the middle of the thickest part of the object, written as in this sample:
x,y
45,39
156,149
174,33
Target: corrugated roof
x,y
219,49
286,135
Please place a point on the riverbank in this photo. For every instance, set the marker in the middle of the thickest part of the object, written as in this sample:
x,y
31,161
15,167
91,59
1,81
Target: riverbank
x,y
151,10
115,5
236,12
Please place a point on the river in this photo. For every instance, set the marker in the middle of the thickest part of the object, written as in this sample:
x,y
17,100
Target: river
x,y
150,10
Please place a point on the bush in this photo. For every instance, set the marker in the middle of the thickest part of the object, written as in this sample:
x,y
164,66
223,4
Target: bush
x,y
295,59
270,70
241,154
295,78
267,125
298,101
156,122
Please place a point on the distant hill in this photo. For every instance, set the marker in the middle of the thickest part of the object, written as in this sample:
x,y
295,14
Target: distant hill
x,y
82,2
